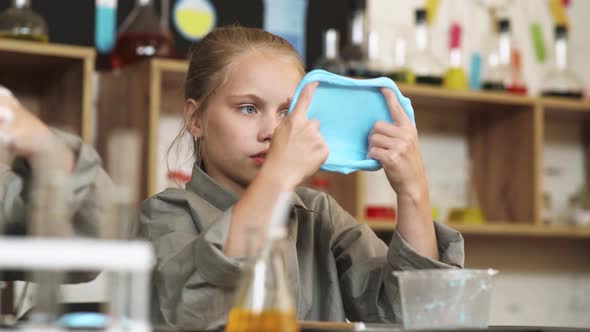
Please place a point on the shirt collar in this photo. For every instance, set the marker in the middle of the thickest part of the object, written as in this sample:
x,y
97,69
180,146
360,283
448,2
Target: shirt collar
x,y
206,187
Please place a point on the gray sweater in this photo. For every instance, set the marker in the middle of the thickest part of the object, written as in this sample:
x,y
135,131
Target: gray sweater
x,y
338,268
89,202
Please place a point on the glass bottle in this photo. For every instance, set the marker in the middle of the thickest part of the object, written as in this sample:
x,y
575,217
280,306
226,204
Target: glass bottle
x,y
321,183
425,68
399,72
498,52
21,22
561,81
141,36
516,84
330,59
354,53
455,77
373,67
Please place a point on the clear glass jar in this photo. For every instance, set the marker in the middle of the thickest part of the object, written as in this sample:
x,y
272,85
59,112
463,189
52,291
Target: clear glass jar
x,y
21,22
141,36
330,59
560,80
424,66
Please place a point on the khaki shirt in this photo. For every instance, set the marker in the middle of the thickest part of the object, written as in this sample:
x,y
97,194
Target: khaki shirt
x,y
88,204
91,188
338,268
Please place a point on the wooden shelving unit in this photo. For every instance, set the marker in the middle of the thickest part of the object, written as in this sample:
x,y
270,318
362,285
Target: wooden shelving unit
x,y
503,229
53,81
135,97
504,135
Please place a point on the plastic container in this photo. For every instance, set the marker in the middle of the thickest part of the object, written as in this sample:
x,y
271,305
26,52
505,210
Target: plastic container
x,y
445,299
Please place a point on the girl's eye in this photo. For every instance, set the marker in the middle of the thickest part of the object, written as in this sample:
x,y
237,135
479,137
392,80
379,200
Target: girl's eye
x,y
283,114
248,109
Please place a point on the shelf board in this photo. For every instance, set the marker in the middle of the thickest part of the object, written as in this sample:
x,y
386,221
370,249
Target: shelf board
x,y
171,65
34,55
501,229
435,95
564,104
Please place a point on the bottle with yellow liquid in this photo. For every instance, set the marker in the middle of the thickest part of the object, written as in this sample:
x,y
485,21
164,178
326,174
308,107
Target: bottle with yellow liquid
x,y
263,300
193,19
21,22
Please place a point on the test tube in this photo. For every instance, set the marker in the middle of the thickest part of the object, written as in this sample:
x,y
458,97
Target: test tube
x,y
124,150
124,160
105,25
50,216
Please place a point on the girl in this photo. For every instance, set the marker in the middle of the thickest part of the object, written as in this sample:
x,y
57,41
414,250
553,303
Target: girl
x,y
248,150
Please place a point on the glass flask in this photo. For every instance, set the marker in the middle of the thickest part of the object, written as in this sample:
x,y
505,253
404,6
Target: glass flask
x,y
561,81
497,58
425,68
21,22
330,59
354,52
263,301
373,66
141,36
399,72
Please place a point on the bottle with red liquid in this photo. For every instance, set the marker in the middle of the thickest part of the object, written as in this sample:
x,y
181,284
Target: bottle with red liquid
x,y
516,84
141,36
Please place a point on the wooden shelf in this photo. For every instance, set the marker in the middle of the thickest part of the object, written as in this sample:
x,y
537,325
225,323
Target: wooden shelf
x,y
53,81
25,51
171,65
564,104
135,97
466,96
503,132
502,229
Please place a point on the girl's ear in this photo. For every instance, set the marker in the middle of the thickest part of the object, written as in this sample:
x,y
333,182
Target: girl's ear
x,y
193,121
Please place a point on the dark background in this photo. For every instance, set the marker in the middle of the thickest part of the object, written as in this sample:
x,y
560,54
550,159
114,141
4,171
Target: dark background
x,y
72,21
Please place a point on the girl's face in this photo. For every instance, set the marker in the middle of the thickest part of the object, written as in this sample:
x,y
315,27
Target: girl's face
x,y
242,115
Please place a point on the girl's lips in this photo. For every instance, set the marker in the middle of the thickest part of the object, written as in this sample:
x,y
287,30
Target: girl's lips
x,y
259,158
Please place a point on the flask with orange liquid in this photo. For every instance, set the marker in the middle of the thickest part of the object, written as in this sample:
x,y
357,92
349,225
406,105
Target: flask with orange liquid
x,y
263,301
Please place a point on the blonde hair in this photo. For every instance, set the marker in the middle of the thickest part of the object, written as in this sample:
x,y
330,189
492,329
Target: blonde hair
x,y
210,64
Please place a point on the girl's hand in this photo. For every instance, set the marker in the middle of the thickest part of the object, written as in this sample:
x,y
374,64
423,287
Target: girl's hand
x,y
396,147
298,149
27,136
